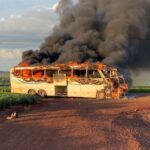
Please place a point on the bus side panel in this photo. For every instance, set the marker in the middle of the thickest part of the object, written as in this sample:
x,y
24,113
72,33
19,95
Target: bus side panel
x,y
74,90
87,91
20,86
90,90
49,88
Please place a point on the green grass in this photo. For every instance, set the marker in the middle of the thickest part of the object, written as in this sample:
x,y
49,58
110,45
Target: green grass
x,y
5,75
8,99
4,80
4,89
140,89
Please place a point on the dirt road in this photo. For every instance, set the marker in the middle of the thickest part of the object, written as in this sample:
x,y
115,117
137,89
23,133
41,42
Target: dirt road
x,y
80,124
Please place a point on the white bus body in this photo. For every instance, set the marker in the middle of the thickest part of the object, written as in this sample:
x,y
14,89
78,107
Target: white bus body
x,y
58,81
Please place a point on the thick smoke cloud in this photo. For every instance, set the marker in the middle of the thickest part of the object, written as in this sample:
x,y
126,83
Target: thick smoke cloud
x,y
115,32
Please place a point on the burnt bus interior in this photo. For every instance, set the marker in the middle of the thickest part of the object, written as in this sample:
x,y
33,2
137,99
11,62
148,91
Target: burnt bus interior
x,y
59,77
48,75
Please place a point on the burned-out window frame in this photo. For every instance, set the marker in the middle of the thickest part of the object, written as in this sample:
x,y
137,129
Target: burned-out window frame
x,y
31,73
67,72
14,72
54,71
38,70
81,73
77,72
97,75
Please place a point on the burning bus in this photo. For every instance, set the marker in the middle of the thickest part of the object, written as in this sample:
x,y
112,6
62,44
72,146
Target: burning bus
x,y
87,80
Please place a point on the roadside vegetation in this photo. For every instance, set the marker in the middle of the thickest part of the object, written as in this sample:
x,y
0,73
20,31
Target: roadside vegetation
x,y
4,89
140,89
8,99
4,79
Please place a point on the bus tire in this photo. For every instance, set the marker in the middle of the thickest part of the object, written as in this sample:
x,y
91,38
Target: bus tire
x,y
100,95
42,93
32,92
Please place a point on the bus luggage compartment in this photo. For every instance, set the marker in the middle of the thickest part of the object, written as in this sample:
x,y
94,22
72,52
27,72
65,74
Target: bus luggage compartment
x,y
61,91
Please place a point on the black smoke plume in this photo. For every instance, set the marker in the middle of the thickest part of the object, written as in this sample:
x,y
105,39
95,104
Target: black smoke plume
x,y
115,32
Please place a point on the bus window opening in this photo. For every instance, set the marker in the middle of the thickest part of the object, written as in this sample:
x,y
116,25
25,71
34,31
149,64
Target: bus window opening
x,y
38,75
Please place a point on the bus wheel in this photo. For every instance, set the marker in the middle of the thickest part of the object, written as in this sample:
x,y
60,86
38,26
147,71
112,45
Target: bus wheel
x,y
32,92
42,93
100,95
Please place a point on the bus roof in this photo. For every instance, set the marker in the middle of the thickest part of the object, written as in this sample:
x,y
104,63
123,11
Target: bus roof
x,y
64,66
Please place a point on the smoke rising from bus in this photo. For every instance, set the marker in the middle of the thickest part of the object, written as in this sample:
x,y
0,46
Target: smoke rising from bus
x,y
115,32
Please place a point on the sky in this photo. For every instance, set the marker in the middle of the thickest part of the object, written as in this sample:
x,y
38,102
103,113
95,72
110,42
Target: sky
x,y
23,25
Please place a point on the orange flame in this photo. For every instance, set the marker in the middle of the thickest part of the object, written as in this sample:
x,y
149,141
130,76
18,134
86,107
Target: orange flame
x,y
101,66
26,74
72,64
24,64
38,75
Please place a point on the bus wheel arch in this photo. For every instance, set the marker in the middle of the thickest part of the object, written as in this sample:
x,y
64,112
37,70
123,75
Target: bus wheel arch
x,y
42,93
31,92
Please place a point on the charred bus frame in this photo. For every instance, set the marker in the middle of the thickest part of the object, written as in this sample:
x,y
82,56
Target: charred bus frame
x,y
76,80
